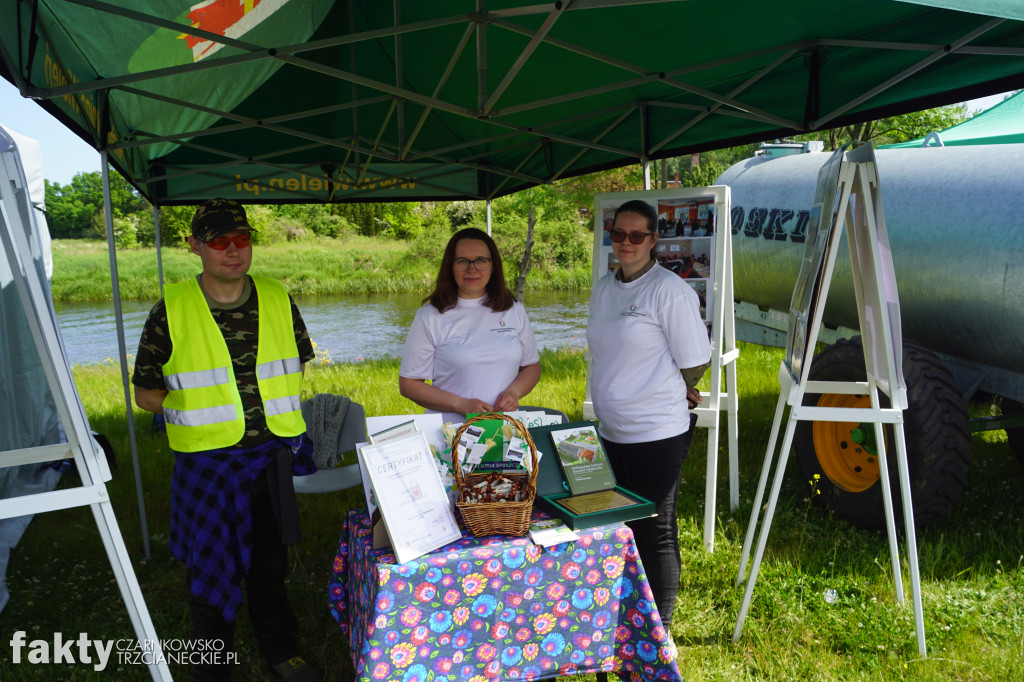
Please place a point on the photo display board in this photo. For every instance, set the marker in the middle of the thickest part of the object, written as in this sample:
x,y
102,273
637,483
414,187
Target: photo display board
x,y
695,242
688,223
822,229
875,279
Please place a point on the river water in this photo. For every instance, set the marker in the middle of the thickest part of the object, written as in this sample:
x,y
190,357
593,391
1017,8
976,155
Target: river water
x,y
346,328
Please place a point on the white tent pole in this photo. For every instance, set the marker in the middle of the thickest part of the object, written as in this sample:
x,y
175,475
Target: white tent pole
x,y
488,217
159,256
108,215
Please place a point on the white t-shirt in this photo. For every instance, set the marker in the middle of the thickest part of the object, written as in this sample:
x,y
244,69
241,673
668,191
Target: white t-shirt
x,y
640,334
469,350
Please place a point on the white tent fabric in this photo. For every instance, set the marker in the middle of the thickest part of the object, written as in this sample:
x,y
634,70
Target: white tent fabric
x,y
29,417
27,320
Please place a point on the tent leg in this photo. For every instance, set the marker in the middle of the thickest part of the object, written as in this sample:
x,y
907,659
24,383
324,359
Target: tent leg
x,y
159,253
115,285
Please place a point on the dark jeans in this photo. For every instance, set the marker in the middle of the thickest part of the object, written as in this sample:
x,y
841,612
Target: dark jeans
x,y
273,622
652,470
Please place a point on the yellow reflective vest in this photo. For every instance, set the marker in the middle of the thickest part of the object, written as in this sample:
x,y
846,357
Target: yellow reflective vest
x,y
203,409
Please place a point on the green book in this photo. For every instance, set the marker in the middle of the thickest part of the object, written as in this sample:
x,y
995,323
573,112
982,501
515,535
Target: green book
x,y
483,446
583,460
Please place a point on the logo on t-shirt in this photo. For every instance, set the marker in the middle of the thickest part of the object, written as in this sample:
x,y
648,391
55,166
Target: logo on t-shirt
x,y
632,312
502,329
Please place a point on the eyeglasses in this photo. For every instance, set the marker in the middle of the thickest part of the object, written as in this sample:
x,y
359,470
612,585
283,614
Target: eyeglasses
x,y
221,243
619,236
479,263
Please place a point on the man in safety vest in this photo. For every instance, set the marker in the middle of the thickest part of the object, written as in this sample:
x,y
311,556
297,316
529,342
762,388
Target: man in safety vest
x,y
221,357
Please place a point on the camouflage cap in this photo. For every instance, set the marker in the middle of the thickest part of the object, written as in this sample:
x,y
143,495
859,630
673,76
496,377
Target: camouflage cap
x,y
217,217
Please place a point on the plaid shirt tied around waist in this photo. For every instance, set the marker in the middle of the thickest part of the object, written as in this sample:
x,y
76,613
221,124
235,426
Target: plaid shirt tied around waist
x,y
211,521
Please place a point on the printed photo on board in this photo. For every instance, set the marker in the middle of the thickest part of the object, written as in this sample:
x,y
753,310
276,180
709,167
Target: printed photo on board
x,y
686,218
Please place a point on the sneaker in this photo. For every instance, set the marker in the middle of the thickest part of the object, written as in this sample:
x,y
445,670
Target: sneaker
x,y
295,670
672,650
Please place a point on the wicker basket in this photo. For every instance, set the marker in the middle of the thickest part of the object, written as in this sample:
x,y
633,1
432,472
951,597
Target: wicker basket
x,y
495,518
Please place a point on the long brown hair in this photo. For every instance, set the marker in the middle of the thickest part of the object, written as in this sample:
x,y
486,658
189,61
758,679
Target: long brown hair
x,y
446,292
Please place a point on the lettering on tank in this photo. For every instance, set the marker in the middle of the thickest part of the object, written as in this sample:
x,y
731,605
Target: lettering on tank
x,y
774,224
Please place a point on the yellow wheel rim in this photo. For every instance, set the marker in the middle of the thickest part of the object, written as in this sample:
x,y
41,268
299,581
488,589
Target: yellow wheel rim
x,y
846,450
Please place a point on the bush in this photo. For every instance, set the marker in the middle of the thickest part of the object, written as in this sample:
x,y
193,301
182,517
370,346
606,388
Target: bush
x,y
399,220
126,231
459,213
175,226
318,219
433,235
334,226
268,227
560,244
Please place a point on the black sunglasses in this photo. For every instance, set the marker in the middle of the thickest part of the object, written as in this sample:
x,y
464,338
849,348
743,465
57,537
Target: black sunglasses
x,y
619,236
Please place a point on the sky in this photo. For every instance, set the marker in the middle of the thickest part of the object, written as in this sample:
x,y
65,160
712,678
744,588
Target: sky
x,y
65,154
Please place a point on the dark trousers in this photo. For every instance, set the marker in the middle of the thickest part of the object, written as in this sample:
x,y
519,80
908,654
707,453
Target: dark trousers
x,y
652,470
273,622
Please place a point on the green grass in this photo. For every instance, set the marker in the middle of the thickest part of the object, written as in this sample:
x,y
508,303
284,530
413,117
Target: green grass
x,y
352,265
970,562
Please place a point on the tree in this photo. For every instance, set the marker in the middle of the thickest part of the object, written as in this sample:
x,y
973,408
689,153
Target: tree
x,y
76,209
892,129
541,226
524,262
175,225
66,215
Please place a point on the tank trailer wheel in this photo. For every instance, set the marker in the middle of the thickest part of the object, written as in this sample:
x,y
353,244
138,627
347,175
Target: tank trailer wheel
x,y
1015,435
844,455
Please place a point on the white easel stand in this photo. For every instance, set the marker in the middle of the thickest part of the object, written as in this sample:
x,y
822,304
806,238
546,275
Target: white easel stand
x,y
879,416
724,354
89,459
864,236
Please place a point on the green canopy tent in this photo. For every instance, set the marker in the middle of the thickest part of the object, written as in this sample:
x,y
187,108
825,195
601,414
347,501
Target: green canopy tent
x,y
1001,124
272,101
366,100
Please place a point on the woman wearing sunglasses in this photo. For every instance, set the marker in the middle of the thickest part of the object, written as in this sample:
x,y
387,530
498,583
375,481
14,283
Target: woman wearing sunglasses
x,y
471,338
649,348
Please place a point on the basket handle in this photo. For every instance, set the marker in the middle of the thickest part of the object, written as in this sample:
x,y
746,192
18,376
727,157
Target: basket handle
x,y
518,425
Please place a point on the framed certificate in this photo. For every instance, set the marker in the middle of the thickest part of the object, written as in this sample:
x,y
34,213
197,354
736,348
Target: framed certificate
x,y
410,496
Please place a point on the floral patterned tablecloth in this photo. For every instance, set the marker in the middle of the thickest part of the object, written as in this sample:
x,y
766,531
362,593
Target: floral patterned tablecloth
x,y
499,607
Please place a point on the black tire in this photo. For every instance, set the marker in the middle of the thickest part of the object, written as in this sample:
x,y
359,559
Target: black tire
x,y
1016,435
937,434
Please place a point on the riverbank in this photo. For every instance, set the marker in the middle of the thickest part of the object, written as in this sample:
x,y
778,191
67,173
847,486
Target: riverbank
x,y
345,327
323,266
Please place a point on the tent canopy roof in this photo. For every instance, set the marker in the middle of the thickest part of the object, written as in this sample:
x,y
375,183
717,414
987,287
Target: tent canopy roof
x,y
1000,124
363,100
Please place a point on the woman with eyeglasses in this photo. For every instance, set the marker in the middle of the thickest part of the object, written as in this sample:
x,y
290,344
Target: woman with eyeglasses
x,y
649,348
471,338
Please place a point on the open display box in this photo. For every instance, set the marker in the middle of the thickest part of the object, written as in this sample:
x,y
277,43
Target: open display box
x,y
552,489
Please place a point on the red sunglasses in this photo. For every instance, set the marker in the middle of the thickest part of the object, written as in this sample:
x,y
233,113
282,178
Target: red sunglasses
x,y
221,243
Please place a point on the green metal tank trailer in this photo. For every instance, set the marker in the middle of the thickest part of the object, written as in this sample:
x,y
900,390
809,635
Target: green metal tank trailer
x,y
955,218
